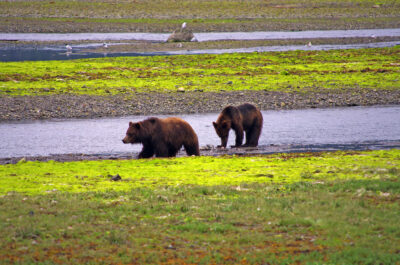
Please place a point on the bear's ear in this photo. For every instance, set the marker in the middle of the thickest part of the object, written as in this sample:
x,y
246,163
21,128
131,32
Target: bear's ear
x,y
152,120
224,125
215,124
130,124
137,125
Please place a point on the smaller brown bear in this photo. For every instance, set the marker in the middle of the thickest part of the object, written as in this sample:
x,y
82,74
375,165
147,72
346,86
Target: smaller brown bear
x,y
246,118
162,137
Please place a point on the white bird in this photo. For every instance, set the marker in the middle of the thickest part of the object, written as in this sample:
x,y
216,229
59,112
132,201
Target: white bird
x,y
183,25
68,47
105,45
309,44
180,45
373,36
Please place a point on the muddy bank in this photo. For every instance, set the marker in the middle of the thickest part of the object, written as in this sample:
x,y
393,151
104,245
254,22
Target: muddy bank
x,y
84,106
210,150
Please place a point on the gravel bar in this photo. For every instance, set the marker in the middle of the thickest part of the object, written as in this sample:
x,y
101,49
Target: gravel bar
x,y
85,106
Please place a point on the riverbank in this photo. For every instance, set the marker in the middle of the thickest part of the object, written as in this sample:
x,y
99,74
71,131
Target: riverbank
x,y
87,106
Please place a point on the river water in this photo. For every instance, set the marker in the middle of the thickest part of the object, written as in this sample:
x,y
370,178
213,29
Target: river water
x,y
44,53
287,130
206,36
10,52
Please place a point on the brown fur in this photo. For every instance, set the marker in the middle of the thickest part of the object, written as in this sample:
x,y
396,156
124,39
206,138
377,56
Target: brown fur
x,y
245,118
162,137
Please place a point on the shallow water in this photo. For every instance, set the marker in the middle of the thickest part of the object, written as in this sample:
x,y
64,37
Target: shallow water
x,y
321,129
45,53
10,52
206,36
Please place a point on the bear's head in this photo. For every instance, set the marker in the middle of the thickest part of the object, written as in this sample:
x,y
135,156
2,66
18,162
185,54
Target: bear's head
x,y
222,128
134,134
140,131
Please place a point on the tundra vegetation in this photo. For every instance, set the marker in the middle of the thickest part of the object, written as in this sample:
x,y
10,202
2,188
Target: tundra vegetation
x,y
335,71
201,16
339,208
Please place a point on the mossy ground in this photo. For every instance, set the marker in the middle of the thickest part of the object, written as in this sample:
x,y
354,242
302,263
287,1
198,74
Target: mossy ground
x,y
293,71
322,208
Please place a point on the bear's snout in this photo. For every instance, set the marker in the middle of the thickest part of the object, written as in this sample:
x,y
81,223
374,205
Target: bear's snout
x,y
125,140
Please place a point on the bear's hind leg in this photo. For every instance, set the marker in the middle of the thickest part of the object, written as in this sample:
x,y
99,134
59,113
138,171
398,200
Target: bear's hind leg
x,y
253,136
192,149
172,151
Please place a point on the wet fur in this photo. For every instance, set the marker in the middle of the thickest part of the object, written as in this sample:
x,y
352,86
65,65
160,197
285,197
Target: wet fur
x,y
242,119
163,137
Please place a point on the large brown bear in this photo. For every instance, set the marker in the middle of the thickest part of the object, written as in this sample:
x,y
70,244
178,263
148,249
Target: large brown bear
x,y
162,137
246,118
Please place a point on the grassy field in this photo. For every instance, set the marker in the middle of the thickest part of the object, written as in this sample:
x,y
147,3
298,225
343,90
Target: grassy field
x,y
321,208
222,15
294,71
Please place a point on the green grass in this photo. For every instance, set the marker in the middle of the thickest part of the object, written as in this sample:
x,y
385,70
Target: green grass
x,y
301,71
199,9
324,208
202,16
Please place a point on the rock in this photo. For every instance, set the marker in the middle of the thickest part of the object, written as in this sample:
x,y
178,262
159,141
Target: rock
x,y
115,178
181,35
207,147
181,89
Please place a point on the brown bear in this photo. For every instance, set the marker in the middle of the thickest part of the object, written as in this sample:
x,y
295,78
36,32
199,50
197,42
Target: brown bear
x,y
162,137
246,118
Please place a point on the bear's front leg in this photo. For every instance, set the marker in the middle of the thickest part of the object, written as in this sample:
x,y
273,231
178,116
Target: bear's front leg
x,y
239,136
224,142
146,152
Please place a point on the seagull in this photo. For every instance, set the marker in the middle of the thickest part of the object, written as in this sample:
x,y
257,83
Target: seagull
x,y
309,44
105,45
183,25
68,47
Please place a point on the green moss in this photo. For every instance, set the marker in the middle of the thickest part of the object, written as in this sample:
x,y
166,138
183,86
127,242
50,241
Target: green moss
x,y
312,208
302,71
43,177
345,211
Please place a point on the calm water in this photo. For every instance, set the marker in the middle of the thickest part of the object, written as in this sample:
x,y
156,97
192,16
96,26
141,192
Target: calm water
x,y
206,36
45,53
13,52
344,127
